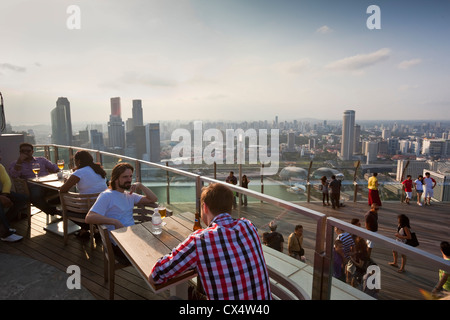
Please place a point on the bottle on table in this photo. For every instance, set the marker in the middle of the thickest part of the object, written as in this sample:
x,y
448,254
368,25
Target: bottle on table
x,y
197,224
156,222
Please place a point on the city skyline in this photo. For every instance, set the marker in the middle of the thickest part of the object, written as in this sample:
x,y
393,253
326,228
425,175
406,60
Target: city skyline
x,y
233,60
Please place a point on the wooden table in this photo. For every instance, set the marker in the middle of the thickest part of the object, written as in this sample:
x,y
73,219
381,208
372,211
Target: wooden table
x,y
51,181
143,249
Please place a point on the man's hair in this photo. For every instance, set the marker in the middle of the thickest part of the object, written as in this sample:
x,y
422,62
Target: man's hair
x,y
117,171
445,247
218,198
298,227
26,144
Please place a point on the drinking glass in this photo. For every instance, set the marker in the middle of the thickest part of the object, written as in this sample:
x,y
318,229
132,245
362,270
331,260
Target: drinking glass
x,y
162,210
60,164
36,168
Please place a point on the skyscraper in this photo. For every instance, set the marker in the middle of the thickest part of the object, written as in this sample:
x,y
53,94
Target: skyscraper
x,y
152,139
348,135
61,122
138,118
116,127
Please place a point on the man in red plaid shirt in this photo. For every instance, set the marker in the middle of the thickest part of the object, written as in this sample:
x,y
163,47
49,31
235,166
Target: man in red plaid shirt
x,y
227,254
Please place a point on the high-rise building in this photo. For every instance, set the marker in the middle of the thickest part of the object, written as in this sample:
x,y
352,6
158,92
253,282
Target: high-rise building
x,y
116,127
61,122
357,146
138,118
152,138
348,135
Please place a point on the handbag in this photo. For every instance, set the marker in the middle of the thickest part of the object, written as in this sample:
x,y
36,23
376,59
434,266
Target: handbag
x,y
413,241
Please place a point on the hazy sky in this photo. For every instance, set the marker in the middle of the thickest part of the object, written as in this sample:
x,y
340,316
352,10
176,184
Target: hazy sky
x,y
226,59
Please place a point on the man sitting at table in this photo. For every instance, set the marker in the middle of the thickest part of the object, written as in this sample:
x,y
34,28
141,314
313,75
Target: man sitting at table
x,y
227,254
22,168
114,206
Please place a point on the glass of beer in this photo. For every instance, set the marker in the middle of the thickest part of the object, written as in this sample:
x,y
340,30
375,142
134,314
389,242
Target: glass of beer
x,y
36,168
60,164
162,210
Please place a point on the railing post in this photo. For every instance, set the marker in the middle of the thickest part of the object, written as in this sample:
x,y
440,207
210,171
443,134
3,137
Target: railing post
x,y
355,184
56,155
262,179
198,192
71,163
308,185
137,166
215,170
321,272
168,185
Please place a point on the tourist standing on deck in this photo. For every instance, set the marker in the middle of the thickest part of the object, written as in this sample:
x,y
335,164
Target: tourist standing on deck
x,y
429,184
407,186
335,191
418,185
403,233
374,196
324,187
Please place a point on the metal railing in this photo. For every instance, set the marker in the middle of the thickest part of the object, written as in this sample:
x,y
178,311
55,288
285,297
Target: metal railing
x,y
324,239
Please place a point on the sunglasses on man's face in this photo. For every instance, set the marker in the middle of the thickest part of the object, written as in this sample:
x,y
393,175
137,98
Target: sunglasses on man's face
x,y
26,151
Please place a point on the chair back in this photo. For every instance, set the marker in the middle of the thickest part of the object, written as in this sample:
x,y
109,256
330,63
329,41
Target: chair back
x,y
76,202
284,288
20,186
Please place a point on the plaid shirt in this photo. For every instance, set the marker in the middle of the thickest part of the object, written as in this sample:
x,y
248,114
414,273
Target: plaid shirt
x,y
228,257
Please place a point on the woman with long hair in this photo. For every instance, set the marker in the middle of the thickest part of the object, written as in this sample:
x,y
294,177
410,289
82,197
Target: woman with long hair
x,y
403,233
88,177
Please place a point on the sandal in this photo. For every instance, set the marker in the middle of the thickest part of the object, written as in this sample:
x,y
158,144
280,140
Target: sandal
x,y
401,270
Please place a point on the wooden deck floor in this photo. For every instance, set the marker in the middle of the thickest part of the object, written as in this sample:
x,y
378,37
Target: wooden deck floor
x,y
430,223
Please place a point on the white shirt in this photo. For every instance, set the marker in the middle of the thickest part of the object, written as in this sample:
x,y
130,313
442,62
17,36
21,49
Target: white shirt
x,y
90,182
117,205
419,185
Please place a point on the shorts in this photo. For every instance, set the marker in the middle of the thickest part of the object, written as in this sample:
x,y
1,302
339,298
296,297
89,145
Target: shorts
x,y
408,194
428,192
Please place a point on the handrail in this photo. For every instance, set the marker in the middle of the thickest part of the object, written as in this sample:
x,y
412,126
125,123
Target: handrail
x,y
324,225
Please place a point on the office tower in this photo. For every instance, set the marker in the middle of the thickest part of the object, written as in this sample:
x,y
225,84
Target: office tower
x,y
357,145
116,127
96,140
153,148
61,122
291,141
385,134
348,135
371,150
137,114
115,107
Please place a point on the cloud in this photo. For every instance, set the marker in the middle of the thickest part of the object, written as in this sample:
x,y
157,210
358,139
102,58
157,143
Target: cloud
x,y
324,30
360,61
147,80
298,66
409,63
8,66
